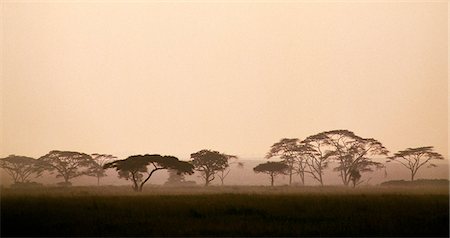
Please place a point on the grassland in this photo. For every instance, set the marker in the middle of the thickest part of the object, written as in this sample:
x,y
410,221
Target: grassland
x,y
226,211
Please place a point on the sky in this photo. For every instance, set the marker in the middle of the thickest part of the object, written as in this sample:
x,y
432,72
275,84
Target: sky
x,y
175,77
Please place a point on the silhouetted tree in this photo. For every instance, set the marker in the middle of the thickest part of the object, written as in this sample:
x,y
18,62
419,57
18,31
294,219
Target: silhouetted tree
x,y
20,168
317,154
222,174
353,152
414,158
272,169
208,163
97,170
291,152
355,176
67,164
134,167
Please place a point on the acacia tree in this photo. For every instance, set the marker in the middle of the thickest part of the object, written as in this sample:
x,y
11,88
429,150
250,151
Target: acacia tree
x,y
318,156
222,174
272,169
67,164
414,158
21,168
353,153
291,152
134,167
100,160
209,163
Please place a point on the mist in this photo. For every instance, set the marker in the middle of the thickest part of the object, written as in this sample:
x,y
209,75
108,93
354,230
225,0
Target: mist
x,y
209,118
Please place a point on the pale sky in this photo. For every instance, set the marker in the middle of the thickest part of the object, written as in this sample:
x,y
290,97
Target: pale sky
x,y
173,78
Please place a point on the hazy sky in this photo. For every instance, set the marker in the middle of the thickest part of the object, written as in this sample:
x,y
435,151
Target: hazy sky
x,y
174,78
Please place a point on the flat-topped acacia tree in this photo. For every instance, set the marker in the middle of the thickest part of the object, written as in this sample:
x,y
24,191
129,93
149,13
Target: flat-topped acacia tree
x,y
67,164
21,168
414,158
135,167
272,169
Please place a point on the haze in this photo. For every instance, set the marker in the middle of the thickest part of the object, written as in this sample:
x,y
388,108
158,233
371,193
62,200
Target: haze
x,y
176,77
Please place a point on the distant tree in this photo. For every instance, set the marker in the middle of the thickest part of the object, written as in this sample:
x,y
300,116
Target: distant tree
x,y
272,169
209,163
414,158
21,168
291,152
318,155
97,170
67,164
134,167
353,153
222,174
175,178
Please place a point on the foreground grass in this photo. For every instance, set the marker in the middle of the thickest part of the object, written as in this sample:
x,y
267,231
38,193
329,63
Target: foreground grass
x,y
230,211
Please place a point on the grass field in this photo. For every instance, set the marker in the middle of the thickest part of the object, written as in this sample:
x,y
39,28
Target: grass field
x,y
227,211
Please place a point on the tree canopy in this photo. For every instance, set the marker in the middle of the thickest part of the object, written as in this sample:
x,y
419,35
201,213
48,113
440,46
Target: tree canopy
x,y
134,167
208,163
67,164
353,153
21,168
272,169
100,160
317,155
414,158
291,152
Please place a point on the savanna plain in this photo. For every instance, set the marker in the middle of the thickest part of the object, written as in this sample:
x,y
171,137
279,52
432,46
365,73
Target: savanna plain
x,y
226,211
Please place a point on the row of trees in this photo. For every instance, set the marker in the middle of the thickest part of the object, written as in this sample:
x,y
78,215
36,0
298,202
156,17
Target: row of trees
x,y
65,164
354,155
137,168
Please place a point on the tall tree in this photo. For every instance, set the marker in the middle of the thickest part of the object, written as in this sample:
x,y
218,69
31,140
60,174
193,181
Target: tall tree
x,y
318,156
100,160
291,152
272,169
209,163
134,167
414,158
232,159
21,168
67,164
354,153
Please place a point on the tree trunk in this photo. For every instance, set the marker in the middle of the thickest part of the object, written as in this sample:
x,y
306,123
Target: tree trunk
x,y
302,177
346,179
207,180
98,181
290,176
271,180
412,175
320,178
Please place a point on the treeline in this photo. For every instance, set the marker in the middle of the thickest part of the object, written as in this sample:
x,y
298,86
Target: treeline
x,y
309,157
